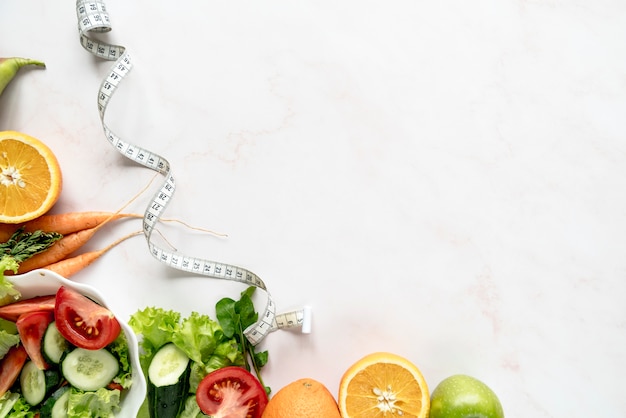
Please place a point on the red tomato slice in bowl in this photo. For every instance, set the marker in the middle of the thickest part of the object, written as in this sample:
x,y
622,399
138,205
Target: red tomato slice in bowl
x,y
11,366
83,322
13,310
231,391
32,327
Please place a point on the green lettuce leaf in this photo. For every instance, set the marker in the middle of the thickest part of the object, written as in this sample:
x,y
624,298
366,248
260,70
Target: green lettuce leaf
x,y
119,348
8,326
7,401
198,336
8,294
7,341
21,409
102,403
191,409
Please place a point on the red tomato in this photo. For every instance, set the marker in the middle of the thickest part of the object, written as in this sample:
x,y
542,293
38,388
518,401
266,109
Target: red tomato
x,y
83,322
13,311
32,327
11,366
231,391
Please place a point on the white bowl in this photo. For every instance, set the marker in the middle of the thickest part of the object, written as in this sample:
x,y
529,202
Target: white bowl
x,y
45,282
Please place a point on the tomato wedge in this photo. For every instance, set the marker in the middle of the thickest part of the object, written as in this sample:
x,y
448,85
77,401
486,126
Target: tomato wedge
x,y
11,366
231,391
13,310
32,327
83,322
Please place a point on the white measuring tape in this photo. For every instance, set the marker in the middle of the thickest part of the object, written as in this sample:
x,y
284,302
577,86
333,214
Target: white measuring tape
x,y
93,18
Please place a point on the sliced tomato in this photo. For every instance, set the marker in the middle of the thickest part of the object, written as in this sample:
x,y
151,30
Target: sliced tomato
x,y
231,391
83,322
32,327
115,386
11,366
13,311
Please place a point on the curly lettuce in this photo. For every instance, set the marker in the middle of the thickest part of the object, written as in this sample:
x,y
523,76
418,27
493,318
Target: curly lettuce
x,y
102,403
119,348
21,409
7,341
8,293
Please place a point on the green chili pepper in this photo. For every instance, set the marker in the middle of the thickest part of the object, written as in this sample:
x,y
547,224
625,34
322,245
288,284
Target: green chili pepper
x,y
10,66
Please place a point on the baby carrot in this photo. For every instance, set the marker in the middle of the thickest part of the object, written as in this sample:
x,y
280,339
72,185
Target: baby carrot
x,y
67,223
61,249
64,223
70,266
58,251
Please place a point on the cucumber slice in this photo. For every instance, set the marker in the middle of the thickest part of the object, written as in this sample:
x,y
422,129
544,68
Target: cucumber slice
x,y
33,383
89,370
168,382
56,405
54,344
59,409
167,365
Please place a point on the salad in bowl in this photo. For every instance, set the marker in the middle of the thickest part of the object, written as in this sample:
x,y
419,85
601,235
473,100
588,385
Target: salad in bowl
x,y
63,353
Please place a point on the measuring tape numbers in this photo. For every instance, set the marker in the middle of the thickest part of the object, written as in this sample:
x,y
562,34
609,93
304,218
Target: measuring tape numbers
x,y
92,19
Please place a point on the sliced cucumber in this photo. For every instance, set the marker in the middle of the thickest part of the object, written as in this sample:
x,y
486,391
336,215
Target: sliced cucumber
x,y
33,383
89,369
54,344
167,365
59,409
168,382
56,404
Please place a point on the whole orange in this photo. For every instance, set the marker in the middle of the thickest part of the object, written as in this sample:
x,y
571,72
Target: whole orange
x,y
303,398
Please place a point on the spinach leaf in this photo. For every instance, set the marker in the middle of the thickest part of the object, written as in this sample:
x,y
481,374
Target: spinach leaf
x,y
234,317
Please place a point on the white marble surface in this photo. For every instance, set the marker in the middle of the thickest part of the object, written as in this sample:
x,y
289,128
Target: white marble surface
x,y
444,180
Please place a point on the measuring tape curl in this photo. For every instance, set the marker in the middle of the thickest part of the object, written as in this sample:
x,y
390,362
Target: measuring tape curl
x,y
93,18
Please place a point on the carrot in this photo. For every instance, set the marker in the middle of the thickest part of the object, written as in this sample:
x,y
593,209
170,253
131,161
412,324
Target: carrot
x,y
64,223
58,251
6,230
69,266
67,223
61,249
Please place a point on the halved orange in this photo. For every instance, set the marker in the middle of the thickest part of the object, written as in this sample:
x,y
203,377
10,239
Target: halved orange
x,y
30,178
383,385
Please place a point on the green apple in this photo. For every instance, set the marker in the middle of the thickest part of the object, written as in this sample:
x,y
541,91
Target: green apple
x,y
462,396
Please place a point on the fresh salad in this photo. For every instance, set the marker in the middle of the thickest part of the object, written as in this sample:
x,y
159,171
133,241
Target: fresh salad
x,y
61,355
197,366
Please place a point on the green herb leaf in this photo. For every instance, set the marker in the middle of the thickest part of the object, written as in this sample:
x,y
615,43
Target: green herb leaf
x,y
227,316
236,316
245,308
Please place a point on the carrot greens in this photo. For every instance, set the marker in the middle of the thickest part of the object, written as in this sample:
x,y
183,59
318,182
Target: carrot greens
x,y
20,247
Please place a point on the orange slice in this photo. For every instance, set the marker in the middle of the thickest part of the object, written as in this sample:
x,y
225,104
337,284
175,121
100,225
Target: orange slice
x,y
30,178
383,385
